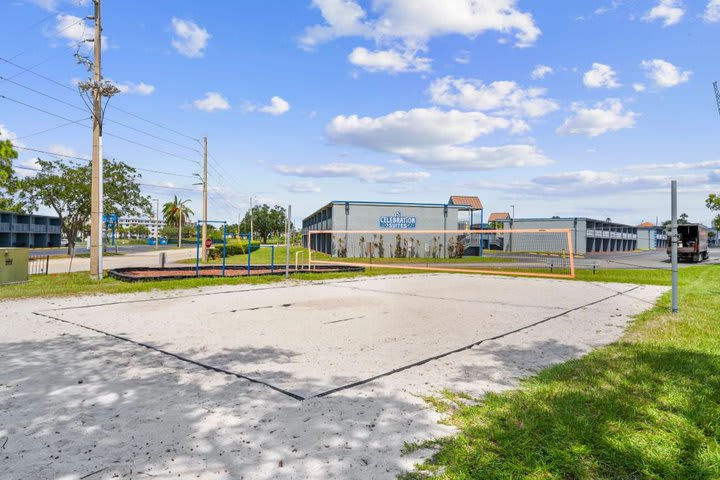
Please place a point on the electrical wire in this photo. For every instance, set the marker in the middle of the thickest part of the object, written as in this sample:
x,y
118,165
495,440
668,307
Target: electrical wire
x,y
66,87
105,133
72,157
53,128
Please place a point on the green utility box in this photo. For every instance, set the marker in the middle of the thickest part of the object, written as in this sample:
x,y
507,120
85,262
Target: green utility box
x,y
13,265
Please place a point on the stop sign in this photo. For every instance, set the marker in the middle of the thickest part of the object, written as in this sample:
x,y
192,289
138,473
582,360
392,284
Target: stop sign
x,y
208,243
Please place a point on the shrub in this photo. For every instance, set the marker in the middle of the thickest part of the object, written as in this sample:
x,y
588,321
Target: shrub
x,y
230,250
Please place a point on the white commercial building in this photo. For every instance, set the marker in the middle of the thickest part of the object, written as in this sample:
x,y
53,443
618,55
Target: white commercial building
x,y
152,224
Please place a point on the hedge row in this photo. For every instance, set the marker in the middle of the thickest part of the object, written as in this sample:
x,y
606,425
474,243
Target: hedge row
x,y
234,249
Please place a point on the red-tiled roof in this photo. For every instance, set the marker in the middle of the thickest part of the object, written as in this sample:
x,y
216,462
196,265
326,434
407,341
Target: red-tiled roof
x,y
646,224
473,202
494,217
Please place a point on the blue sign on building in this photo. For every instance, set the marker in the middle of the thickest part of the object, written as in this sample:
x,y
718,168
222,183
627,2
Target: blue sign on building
x,y
398,222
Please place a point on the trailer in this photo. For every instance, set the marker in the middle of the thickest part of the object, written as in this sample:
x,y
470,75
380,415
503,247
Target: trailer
x,y
692,242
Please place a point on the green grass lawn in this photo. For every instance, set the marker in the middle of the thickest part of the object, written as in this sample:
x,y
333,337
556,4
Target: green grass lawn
x,y
264,254
647,407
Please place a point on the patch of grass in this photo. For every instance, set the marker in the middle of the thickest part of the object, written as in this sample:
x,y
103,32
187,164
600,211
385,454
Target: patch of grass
x,y
644,277
69,284
646,407
79,283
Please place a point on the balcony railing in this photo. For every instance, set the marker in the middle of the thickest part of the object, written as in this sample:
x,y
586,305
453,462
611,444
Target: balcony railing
x,y
38,228
20,227
4,227
54,229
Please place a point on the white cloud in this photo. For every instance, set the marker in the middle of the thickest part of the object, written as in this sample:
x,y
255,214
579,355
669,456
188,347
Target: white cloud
x,y
664,73
675,166
344,18
502,97
435,138
141,88
62,150
360,171
601,76
212,101
303,187
639,87
590,182
541,71
604,117
75,29
391,61
411,25
52,5
712,11
7,134
669,12
277,106
190,39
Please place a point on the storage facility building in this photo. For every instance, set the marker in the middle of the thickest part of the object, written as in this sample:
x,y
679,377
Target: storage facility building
x,y
588,235
651,237
379,216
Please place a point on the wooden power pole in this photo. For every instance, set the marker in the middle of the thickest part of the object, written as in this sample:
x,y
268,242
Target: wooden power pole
x,y
96,206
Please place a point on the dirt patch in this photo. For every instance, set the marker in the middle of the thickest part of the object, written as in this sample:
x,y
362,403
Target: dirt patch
x,y
140,274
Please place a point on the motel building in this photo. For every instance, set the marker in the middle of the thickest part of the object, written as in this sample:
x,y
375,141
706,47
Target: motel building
x,y
588,235
343,216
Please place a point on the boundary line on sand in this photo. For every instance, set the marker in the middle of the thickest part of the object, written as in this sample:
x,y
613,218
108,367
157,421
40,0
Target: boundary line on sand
x,y
333,390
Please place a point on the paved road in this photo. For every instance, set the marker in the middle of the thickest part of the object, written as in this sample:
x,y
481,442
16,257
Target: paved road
x,y
121,249
641,260
135,259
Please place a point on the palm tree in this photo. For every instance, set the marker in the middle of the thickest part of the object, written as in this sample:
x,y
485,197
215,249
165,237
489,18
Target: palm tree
x,y
175,214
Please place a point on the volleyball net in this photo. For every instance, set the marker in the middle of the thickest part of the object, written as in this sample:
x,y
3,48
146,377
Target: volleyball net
x,y
526,252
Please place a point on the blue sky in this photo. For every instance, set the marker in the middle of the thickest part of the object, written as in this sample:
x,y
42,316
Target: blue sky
x,y
583,108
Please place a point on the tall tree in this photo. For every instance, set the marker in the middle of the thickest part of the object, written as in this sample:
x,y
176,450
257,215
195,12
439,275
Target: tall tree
x,y
175,210
267,221
65,187
8,180
713,203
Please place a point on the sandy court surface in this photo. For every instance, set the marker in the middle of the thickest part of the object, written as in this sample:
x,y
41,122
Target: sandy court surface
x,y
74,401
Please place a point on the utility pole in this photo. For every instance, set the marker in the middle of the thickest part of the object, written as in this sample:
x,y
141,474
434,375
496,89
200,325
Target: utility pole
x,y
96,187
204,223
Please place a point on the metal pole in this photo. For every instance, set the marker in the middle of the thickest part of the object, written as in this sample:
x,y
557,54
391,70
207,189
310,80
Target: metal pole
x,y
224,246
180,228
96,188
272,258
249,250
205,184
287,243
482,237
157,223
674,240
197,251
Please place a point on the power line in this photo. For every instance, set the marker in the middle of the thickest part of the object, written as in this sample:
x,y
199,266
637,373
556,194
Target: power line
x,y
57,32
60,84
76,107
53,128
88,160
106,133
